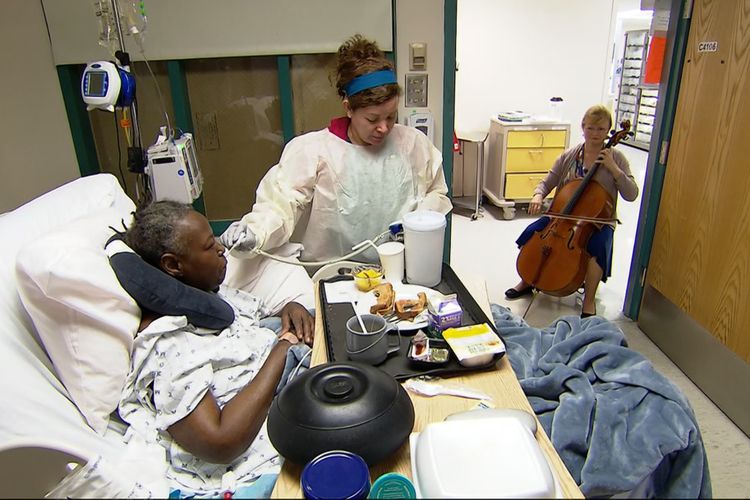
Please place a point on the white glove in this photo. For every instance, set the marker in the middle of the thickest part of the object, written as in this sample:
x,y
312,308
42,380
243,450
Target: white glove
x,y
238,235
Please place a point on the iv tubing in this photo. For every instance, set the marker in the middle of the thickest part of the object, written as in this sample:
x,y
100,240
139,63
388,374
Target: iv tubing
x,y
358,248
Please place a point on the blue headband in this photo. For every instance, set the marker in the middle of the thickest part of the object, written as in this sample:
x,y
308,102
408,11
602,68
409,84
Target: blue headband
x,y
370,80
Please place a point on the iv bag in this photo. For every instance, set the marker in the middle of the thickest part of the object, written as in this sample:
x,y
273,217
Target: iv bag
x,y
132,21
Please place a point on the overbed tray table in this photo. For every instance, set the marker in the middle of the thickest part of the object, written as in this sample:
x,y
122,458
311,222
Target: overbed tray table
x,y
335,315
499,382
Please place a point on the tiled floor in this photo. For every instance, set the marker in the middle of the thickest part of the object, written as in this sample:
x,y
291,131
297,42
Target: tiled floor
x,y
486,247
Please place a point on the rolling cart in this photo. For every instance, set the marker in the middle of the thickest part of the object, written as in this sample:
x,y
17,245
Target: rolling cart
x,y
520,155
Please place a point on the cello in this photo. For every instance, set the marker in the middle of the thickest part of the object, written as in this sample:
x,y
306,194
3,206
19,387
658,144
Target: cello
x,y
554,260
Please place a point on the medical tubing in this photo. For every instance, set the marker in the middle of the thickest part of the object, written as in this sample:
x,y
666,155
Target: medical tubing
x,y
362,246
296,368
170,130
119,157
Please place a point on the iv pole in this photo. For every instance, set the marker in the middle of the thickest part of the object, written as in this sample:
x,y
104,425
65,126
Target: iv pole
x,y
136,161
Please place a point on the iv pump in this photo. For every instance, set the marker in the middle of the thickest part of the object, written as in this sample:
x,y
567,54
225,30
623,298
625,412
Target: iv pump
x,y
169,169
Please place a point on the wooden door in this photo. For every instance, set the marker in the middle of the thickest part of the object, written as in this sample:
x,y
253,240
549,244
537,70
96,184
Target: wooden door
x,y
697,295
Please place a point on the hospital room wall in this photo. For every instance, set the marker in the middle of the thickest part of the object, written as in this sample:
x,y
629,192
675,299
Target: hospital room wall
x,y
420,21
36,95
36,149
517,55
416,21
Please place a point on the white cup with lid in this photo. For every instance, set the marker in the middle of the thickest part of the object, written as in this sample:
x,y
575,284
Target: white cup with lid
x,y
424,231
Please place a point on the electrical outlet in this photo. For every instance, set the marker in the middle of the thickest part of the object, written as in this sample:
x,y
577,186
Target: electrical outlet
x,y
416,90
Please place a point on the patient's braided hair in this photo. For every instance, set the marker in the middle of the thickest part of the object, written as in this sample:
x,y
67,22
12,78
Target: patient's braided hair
x,y
153,233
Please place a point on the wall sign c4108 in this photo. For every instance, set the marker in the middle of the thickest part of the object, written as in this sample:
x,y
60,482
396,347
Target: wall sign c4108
x,y
708,46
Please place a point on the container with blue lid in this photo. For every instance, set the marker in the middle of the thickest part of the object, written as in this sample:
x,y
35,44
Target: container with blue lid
x,y
335,474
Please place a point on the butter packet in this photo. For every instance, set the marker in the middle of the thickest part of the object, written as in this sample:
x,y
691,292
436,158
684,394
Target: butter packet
x,y
474,345
425,351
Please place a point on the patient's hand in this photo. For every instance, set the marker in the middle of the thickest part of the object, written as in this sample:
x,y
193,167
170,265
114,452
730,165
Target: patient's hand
x,y
295,318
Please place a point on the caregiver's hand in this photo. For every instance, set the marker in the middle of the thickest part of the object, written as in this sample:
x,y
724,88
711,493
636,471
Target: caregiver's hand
x,y
239,236
296,318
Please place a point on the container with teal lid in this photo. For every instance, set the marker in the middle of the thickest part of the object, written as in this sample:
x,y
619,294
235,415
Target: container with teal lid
x,y
392,485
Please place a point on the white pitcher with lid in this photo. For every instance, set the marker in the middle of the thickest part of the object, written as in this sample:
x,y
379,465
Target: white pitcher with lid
x,y
424,231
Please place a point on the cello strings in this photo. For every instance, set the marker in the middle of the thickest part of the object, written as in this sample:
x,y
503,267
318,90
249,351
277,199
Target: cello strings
x,y
607,222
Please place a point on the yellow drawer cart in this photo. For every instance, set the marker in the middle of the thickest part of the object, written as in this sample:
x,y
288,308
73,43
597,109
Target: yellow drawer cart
x,y
520,155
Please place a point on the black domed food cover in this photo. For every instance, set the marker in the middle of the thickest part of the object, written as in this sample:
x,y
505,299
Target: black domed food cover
x,y
341,406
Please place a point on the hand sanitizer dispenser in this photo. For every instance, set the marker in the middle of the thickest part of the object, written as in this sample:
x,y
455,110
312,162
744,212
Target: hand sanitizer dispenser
x,y
422,121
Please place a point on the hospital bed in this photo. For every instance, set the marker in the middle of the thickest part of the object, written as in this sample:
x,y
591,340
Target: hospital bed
x,y
42,430
66,331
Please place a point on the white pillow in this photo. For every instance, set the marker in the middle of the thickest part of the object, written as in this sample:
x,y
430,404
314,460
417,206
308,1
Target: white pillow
x,y
41,215
83,316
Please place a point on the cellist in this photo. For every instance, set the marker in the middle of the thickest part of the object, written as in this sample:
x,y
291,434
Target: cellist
x,y
613,174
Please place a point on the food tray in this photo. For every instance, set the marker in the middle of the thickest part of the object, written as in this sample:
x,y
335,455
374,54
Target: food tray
x,y
398,365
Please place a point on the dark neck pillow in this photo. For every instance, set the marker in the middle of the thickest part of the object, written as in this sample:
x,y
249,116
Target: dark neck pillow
x,y
157,291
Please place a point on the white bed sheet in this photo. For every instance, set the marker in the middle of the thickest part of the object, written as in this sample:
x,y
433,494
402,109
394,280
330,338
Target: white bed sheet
x,y
37,408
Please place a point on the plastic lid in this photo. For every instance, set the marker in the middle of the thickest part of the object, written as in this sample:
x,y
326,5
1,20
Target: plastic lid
x,y
335,474
392,485
337,396
498,457
424,220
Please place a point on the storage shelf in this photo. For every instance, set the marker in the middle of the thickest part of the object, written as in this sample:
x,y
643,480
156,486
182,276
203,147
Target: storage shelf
x,y
634,102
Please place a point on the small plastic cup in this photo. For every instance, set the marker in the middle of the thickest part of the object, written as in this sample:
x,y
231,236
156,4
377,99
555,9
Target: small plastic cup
x,y
392,260
335,474
367,277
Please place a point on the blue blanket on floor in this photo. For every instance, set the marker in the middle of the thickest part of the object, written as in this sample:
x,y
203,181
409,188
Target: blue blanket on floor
x,y
618,424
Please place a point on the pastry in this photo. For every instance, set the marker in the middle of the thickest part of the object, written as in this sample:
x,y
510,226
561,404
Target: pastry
x,y
410,309
385,297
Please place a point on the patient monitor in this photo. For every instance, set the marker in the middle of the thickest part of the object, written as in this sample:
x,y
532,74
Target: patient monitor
x,y
172,169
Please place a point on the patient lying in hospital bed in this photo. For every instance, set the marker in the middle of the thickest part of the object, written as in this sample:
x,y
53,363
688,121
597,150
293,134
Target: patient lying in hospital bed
x,y
67,331
203,393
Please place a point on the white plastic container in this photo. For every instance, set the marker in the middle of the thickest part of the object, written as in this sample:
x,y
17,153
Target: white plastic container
x,y
556,108
481,454
424,231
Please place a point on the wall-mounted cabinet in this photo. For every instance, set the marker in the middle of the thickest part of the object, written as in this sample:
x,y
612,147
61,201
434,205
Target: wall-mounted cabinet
x,y
636,102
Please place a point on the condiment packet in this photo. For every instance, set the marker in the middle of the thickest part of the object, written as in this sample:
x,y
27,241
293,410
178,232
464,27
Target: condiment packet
x,y
428,350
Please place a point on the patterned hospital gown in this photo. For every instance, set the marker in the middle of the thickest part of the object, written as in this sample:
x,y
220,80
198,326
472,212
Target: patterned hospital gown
x,y
175,363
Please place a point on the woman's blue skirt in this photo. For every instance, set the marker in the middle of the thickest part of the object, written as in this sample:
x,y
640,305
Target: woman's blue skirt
x,y
600,244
